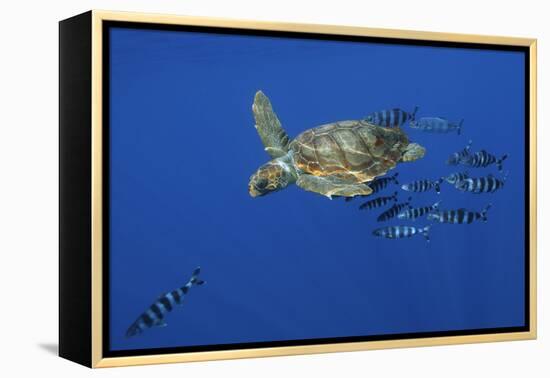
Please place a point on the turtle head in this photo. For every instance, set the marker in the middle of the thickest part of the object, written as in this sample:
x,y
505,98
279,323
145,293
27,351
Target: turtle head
x,y
270,177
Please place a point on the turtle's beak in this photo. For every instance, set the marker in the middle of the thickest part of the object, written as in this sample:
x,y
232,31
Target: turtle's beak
x,y
252,191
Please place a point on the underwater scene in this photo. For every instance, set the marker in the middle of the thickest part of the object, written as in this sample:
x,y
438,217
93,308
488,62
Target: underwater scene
x,y
271,188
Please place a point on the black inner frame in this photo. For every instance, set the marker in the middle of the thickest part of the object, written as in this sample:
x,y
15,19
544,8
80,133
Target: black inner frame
x,y
107,352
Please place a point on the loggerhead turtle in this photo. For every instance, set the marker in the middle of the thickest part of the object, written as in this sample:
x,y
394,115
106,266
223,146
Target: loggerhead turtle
x,y
336,159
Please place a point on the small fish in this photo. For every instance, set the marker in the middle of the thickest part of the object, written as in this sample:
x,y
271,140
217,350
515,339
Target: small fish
x,y
436,125
417,212
394,210
457,177
488,184
391,118
459,216
455,158
483,159
154,315
423,186
378,202
380,183
399,232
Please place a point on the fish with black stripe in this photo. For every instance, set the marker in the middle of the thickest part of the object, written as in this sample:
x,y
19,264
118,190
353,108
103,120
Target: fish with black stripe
x,y
423,186
483,159
382,182
400,232
391,118
154,315
456,177
417,212
377,185
436,125
478,185
378,202
459,216
394,210
455,158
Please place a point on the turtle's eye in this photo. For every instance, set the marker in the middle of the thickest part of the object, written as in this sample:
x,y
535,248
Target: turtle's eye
x,y
261,183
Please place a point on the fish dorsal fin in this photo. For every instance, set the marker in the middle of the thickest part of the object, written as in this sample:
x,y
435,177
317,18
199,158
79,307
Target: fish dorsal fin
x,y
272,134
162,296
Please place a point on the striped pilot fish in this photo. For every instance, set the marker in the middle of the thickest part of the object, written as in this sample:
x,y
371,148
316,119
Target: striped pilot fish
x,y
378,202
417,212
483,159
459,216
381,183
436,125
377,185
423,186
154,315
394,210
400,232
456,157
456,177
488,184
391,118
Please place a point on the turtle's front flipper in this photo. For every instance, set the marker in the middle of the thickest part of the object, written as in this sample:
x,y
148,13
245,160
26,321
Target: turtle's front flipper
x,y
274,137
332,186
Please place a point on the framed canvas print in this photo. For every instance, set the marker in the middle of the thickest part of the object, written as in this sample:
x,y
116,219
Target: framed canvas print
x,y
237,189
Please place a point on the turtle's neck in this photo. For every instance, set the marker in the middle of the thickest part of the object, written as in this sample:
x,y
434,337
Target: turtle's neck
x,y
287,162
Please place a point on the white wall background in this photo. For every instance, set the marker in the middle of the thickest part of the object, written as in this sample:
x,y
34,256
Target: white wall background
x,y
29,174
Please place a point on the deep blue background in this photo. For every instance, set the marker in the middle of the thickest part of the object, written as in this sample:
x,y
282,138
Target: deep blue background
x,y
295,265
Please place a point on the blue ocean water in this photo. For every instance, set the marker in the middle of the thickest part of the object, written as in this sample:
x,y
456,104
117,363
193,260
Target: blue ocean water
x,y
294,264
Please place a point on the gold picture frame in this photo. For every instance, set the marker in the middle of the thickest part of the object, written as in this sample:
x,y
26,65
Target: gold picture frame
x,y
92,24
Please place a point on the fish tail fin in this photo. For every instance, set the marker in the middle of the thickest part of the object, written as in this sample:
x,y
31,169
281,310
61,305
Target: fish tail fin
x,y
435,206
425,231
484,212
195,280
505,176
394,178
469,145
394,196
413,114
499,161
459,128
363,206
437,185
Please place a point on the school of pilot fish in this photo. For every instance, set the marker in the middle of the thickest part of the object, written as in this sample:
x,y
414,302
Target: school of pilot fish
x,y
427,215
461,180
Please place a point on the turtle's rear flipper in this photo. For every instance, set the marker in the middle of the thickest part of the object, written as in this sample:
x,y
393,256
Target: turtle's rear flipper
x,y
331,186
272,134
413,152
